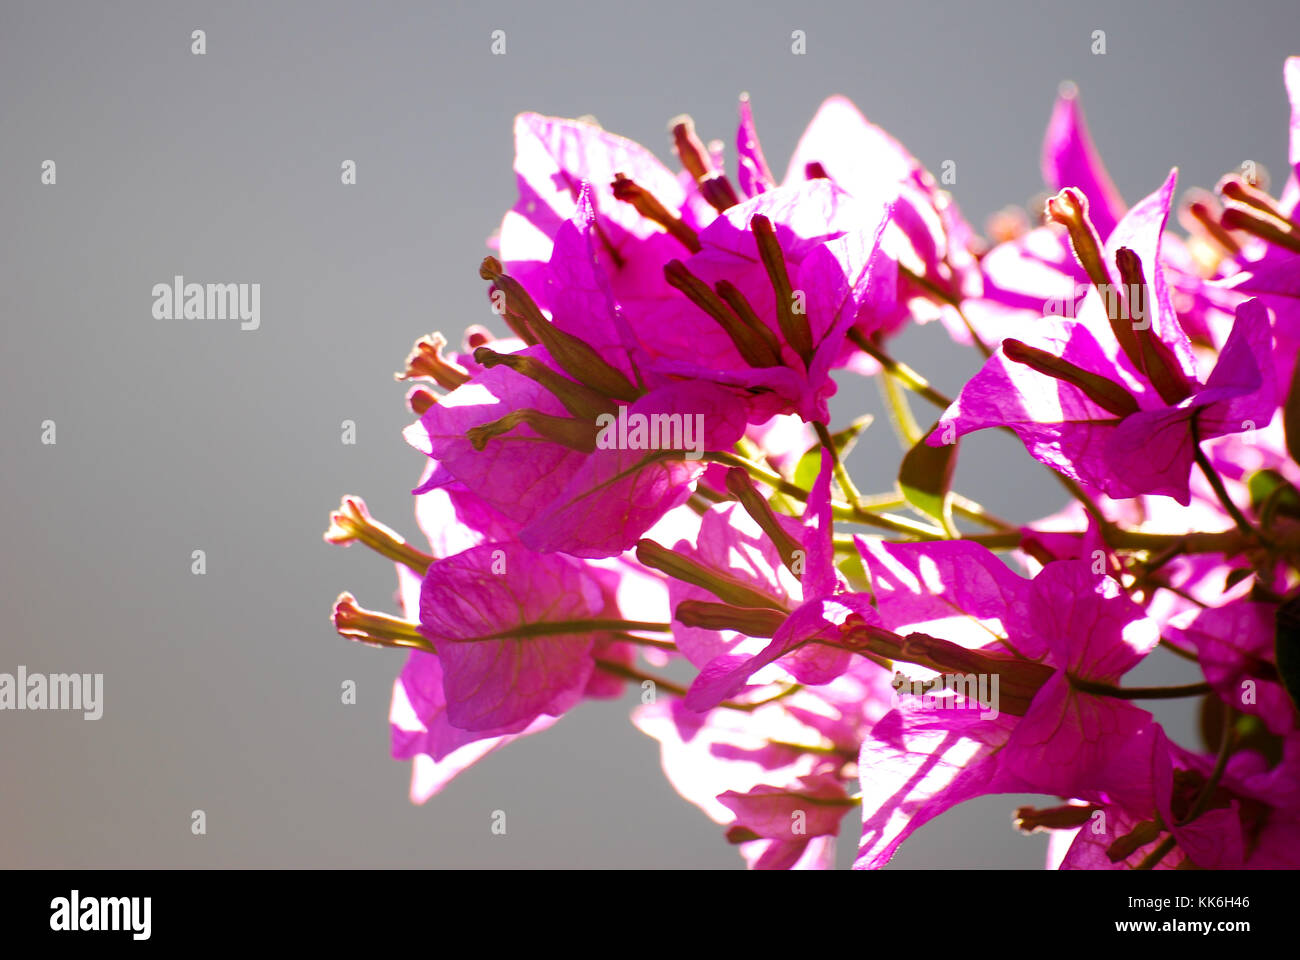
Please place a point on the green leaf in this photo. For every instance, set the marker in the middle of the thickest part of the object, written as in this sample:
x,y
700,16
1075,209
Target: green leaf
x,y
1287,649
1291,418
855,571
1236,576
925,477
810,464
1272,494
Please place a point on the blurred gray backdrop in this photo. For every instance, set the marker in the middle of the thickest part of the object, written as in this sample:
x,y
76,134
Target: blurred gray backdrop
x,y
222,691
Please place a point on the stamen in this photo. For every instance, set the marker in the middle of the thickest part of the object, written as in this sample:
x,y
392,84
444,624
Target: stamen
x,y
751,621
736,300
1070,209
370,626
760,511
1207,219
420,400
648,205
581,401
1019,680
352,523
692,153
1065,817
577,435
1157,360
737,835
1104,392
751,346
520,311
1008,224
1235,218
688,570
426,360
1242,192
1142,834
576,357
695,159
815,171
719,192
795,328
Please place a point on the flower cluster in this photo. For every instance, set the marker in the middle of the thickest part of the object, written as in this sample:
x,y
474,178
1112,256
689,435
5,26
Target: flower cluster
x,y
642,477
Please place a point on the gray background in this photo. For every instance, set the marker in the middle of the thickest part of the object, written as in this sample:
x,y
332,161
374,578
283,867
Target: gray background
x,y
222,691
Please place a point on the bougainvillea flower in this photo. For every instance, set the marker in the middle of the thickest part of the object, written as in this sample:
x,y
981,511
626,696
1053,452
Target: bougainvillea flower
x,y
553,158
495,614
726,760
761,300
710,758
420,731
1270,268
809,271
649,454
1078,402
1035,274
643,219
517,474
1070,159
927,235
1159,820
790,816
592,502
456,521
731,543
1184,582
1235,646
807,640
1068,632
622,491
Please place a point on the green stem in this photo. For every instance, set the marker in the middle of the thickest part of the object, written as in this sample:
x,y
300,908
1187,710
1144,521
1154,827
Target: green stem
x,y
900,414
1223,541
773,480
809,748
887,521
1179,651
882,501
1159,853
677,690
976,511
837,466
840,511
1073,489
1216,482
943,296
905,374
548,628
667,645
1220,764
1202,803
1140,693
